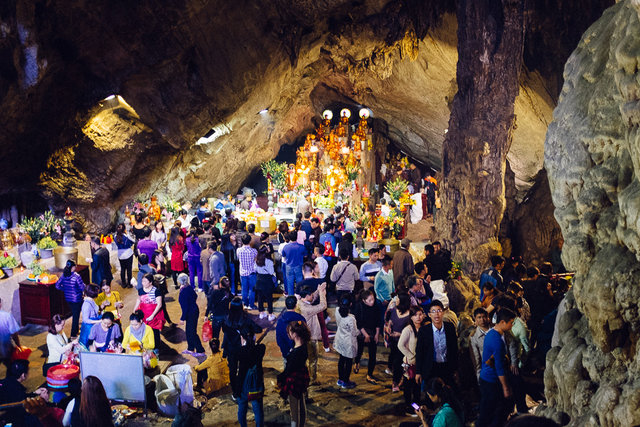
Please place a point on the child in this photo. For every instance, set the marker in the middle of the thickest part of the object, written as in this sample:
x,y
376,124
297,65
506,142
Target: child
x,y
213,373
345,343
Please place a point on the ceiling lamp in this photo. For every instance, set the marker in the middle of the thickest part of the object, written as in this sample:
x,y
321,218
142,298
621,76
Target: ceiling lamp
x,y
345,113
327,114
364,113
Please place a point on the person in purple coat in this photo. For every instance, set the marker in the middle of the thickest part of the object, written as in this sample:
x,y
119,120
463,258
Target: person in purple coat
x,y
146,245
73,287
193,259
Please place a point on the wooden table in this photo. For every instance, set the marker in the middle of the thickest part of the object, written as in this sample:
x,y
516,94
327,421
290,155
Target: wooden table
x,y
39,302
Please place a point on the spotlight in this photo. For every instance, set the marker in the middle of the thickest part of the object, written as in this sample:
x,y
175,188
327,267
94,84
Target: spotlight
x,y
265,111
364,113
327,114
446,130
345,113
109,98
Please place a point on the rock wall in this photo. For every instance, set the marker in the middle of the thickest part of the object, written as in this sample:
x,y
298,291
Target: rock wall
x,y
190,66
592,155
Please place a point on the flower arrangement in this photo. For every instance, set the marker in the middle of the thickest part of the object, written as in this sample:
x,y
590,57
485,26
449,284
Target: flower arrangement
x,y
456,270
276,173
7,261
46,243
325,202
352,171
42,226
396,187
172,207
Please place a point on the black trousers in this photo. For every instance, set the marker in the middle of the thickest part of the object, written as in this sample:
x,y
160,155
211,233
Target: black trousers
x,y
344,368
494,408
372,348
232,361
264,297
190,329
126,266
76,308
411,391
395,360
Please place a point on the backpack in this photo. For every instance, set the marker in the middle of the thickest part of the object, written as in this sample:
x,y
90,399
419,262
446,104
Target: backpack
x,y
254,384
328,250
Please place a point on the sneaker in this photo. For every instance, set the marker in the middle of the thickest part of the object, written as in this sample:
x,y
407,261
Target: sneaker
x,y
327,349
350,385
272,317
187,352
246,307
395,389
263,314
388,372
341,384
198,354
328,319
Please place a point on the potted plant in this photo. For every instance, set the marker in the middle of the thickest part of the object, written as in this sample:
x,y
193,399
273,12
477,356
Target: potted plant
x,y
46,246
8,263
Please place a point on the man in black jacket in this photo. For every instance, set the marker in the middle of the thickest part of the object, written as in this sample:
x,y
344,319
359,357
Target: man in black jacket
x,y
437,348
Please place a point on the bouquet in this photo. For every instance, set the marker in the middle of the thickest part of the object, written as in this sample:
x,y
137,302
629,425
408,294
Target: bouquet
x,y
276,173
396,187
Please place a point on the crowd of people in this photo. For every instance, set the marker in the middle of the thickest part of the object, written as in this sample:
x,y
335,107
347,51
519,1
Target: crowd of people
x,y
388,301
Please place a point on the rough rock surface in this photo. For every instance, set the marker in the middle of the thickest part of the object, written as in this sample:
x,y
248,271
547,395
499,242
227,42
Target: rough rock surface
x,y
593,161
188,67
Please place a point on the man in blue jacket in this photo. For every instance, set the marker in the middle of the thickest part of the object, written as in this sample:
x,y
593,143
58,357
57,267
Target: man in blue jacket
x,y
289,315
495,392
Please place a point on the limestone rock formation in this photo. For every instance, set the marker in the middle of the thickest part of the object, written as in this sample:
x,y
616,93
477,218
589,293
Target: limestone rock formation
x,y
187,69
593,161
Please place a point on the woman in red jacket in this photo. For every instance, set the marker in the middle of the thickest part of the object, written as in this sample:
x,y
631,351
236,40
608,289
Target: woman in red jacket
x,y
177,245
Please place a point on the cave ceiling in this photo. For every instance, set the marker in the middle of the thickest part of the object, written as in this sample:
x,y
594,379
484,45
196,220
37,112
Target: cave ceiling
x,y
104,101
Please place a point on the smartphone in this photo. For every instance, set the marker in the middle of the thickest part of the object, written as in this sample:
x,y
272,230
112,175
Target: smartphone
x,y
415,406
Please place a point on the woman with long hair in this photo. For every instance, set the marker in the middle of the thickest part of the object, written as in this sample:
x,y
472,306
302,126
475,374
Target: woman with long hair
x,y
95,408
407,346
193,258
250,377
176,244
158,234
238,320
90,313
449,411
218,305
294,380
345,342
265,281
368,313
124,244
57,343
396,319
150,302
73,287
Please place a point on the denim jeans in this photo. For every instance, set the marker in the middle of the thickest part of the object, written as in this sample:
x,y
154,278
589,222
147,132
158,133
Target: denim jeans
x,y
258,411
248,284
294,274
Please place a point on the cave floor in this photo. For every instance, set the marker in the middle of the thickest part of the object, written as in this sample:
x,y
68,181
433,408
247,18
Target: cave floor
x,y
365,405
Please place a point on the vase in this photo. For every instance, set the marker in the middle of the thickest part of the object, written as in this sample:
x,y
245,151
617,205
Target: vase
x,y
8,271
46,253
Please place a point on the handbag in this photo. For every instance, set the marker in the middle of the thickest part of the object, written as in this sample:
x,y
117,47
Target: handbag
x,y
409,370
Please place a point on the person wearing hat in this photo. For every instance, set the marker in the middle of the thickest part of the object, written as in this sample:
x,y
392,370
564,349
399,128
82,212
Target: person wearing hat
x,y
402,262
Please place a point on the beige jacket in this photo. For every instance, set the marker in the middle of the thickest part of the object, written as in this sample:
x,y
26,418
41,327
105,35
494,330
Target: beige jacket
x,y
310,313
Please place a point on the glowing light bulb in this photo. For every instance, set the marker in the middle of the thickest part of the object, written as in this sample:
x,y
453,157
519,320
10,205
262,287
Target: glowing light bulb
x,y
365,113
345,113
327,114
